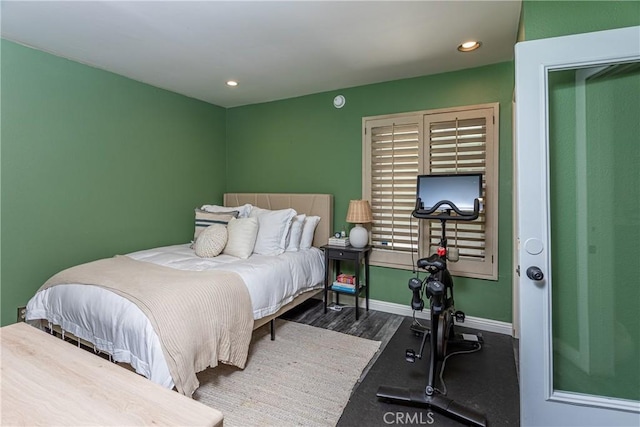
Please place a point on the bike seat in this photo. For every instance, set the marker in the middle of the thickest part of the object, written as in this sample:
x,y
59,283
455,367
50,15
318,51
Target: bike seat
x,y
434,262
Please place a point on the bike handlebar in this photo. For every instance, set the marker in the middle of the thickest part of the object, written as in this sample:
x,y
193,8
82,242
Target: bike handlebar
x,y
462,216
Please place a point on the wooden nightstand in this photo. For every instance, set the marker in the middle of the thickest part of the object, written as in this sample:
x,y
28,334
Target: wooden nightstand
x,y
333,255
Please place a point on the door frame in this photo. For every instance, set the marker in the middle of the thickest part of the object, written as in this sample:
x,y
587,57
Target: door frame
x,y
540,403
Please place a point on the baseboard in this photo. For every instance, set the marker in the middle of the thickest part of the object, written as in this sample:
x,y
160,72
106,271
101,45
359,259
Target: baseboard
x,y
488,325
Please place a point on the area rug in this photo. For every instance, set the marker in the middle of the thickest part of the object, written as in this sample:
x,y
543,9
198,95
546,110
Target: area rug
x,y
304,377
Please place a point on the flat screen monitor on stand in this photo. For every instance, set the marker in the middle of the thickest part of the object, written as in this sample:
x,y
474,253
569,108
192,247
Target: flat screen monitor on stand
x,y
440,192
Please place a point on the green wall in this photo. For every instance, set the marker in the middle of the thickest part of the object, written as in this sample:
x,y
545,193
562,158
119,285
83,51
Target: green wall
x,y
543,19
95,164
306,145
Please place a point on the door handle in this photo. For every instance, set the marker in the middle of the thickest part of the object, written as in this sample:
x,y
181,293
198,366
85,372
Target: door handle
x,y
534,273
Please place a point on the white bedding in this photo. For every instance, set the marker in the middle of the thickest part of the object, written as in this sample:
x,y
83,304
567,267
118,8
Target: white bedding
x,y
118,327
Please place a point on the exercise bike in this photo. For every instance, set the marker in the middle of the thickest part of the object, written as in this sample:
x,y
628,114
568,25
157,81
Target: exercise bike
x,y
438,286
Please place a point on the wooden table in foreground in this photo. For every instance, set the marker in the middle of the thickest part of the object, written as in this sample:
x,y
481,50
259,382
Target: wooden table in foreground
x,y
46,381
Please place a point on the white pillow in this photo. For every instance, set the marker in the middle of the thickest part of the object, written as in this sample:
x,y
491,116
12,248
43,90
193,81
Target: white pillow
x,y
205,219
310,224
273,230
295,233
243,211
242,237
211,241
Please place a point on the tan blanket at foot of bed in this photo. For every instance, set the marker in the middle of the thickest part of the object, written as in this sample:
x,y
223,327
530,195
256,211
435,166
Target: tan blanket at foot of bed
x,y
200,317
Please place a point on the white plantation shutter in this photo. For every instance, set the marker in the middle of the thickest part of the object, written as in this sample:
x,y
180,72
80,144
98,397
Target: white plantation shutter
x,y
393,164
462,142
398,148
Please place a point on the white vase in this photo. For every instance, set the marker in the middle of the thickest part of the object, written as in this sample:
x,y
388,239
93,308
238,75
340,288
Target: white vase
x,y
358,236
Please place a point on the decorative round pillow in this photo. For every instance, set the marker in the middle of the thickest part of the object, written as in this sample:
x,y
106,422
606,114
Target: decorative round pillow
x,y
211,241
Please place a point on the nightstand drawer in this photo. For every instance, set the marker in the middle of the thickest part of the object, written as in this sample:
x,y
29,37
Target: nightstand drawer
x,y
342,254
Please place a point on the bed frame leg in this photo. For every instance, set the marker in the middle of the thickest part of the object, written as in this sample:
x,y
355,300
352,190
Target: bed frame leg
x,y
272,327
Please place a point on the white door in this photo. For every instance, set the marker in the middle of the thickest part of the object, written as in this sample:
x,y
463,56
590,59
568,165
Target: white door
x,y
578,174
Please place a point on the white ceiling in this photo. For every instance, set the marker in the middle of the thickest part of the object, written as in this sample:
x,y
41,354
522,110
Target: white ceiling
x,y
275,49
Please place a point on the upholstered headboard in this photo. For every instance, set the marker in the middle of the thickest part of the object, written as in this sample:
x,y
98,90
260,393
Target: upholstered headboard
x,y
309,204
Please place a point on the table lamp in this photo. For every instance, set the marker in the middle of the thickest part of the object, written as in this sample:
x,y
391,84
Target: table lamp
x,y
359,213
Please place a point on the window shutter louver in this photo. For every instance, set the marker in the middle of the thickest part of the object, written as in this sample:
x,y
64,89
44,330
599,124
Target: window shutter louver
x,y
459,146
394,166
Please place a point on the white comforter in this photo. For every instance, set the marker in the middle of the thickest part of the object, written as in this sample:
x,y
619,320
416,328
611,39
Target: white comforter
x,y
118,327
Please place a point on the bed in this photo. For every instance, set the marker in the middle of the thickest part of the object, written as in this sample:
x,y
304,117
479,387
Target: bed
x,y
112,321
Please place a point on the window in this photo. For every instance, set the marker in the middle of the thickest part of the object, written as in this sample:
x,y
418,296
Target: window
x,y
397,148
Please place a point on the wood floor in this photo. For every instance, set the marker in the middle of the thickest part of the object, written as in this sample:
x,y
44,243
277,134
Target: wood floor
x,y
373,325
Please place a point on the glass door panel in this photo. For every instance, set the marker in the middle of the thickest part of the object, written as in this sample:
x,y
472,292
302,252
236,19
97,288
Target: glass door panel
x,y
594,195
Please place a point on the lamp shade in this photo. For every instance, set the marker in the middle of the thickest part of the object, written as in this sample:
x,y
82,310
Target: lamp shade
x,y
359,212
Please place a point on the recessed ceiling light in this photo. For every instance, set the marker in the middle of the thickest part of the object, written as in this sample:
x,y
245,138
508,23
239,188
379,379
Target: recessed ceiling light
x,y
232,83
469,46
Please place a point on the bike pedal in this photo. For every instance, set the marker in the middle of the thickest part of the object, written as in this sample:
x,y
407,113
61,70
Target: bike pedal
x,y
410,355
470,338
460,316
